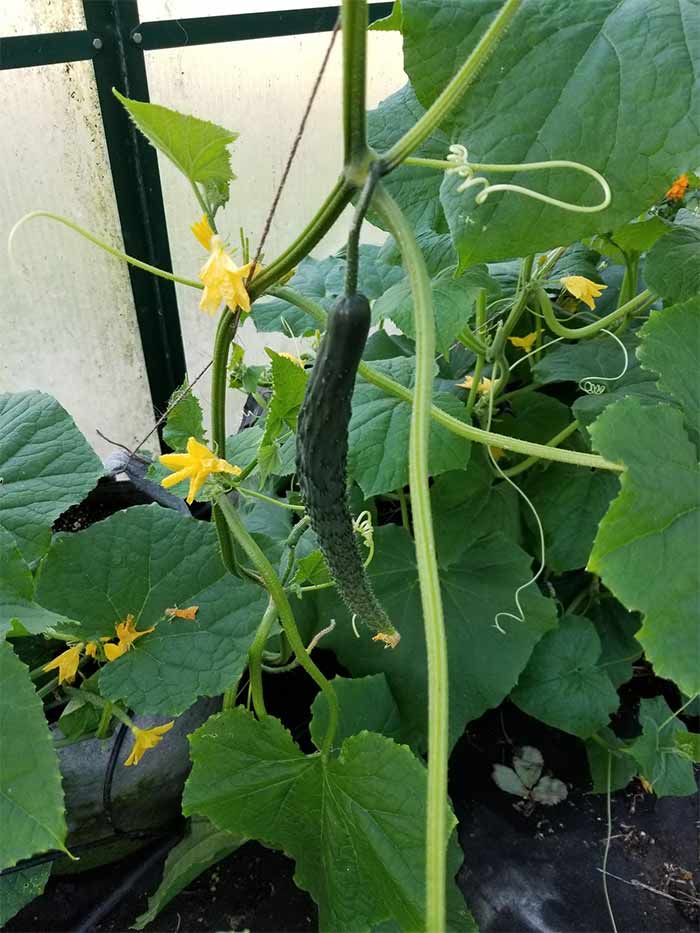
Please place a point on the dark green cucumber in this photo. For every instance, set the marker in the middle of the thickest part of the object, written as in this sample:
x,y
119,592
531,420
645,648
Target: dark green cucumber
x,y
322,453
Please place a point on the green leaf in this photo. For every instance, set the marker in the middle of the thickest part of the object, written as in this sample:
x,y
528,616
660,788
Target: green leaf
x,y
31,797
535,418
481,583
688,743
622,766
312,568
416,189
391,22
46,465
640,236
289,380
453,301
366,704
587,359
20,888
669,773
184,420
379,430
672,268
570,503
324,281
80,717
141,562
616,629
437,250
646,546
569,80
196,147
18,611
202,846
563,684
354,824
671,347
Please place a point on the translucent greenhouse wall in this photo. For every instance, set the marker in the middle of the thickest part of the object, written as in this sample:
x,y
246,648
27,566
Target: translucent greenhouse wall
x,y
68,320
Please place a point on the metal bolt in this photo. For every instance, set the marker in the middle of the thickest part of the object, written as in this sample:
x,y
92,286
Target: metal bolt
x,y
97,44
137,38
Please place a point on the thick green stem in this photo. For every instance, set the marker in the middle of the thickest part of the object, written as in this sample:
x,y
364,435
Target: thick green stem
x,y
553,442
354,23
284,610
225,332
391,387
476,379
589,330
441,107
428,575
255,655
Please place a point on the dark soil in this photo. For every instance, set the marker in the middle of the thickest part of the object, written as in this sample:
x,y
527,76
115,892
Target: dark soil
x,y
534,871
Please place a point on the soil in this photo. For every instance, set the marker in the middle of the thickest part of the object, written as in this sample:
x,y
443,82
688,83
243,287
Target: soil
x,y
526,870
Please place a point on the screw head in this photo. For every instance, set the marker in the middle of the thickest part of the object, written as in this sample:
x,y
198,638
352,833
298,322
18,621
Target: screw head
x,y
137,38
97,43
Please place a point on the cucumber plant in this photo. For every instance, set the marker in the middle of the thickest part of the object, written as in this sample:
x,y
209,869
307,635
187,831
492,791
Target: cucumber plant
x,y
489,443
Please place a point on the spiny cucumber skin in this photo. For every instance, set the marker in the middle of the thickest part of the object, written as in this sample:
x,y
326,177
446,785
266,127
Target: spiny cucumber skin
x,y
322,453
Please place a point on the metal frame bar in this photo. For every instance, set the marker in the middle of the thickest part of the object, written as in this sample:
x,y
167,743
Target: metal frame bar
x,y
115,40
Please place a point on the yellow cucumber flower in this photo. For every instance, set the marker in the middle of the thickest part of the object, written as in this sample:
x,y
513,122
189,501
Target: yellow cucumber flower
x,y
66,663
196,465
524,343
583,289
484,384
127,635
678,188
189,613
224,281
91,649
145,739
203,232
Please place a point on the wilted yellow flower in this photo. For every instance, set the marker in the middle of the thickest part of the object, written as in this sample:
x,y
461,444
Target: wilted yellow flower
x,y
66,663
196,465
390,640
145,739
224,282
678,188
583,289
203,232
189,613
484,384
127,635
524,343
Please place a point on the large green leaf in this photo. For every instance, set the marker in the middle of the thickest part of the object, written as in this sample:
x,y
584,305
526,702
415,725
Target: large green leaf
x,y
354,824
18,611
570,503
141,562
477,584
646,549
611,768
671,347
569,80
453,302
20,888
202,846
617,629
289,380
564,683
672,268
196,147
324,281
379,431
46,466
31,797
416,189
669,772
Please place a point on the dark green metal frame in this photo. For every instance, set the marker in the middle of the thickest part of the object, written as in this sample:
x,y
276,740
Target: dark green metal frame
x,y
115,40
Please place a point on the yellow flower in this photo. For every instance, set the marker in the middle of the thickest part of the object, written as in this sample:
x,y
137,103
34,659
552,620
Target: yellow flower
x,y
66,663
127,635
497,452
145,739
203,232
189,613
583,289
390,639
484,384
524,343
678,188
224,282
196,465
91,649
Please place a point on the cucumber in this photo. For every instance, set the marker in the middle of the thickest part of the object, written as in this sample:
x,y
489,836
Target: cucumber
x,y
322,453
